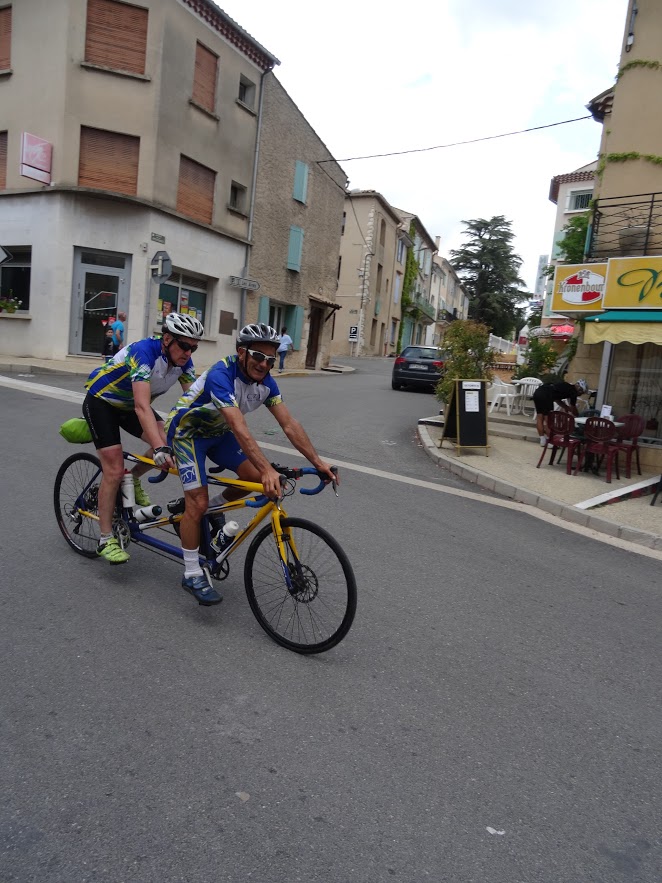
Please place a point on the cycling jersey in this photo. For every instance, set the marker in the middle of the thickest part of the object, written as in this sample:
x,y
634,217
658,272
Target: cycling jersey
x,y
199,412
139,361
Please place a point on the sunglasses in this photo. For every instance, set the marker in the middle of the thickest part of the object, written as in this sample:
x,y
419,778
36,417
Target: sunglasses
x,y
186,347
260,357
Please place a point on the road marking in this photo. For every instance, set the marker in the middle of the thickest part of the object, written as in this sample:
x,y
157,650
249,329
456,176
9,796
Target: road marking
x,y
54,392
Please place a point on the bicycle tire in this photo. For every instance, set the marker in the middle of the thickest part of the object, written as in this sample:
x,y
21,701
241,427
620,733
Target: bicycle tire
x,y
77,476
312,618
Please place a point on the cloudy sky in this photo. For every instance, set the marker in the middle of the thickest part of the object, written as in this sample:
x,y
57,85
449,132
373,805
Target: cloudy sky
x,y
373,77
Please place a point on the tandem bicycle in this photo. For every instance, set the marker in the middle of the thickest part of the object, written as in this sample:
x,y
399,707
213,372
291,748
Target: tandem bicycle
x,y
299,581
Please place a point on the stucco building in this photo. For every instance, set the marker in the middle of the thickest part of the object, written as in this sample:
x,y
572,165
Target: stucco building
x,y
447,297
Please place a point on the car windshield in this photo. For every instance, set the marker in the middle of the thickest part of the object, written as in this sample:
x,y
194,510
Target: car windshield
x,y
421,352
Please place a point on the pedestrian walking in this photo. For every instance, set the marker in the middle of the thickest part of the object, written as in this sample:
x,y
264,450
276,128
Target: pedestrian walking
x,y
286,343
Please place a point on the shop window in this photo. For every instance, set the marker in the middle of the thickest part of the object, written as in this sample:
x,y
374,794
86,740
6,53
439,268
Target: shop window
x,y
116,36
15,275
183,293
195,193
204,78
108,161
3,160
5,38
635,384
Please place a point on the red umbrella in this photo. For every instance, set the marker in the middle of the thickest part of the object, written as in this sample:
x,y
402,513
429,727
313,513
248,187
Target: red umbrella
x,y
563,330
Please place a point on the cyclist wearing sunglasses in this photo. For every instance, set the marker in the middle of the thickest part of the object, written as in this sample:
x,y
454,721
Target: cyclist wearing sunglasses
x,y
208,421
119,396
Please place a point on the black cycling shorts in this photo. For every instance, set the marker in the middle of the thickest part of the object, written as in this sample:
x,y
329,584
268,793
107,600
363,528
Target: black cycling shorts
x,y
105,422
543,399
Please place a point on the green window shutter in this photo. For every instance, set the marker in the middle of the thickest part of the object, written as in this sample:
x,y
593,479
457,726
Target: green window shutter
x,y
295,249
300,191
297,327
263,310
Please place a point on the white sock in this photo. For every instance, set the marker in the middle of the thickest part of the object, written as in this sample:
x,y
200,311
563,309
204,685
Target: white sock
x,y
191,562
104,538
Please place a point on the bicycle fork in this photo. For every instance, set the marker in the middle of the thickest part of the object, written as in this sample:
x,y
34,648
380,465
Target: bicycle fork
x,y
284,541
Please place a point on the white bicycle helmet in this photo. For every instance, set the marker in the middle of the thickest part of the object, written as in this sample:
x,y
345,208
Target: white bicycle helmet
x,y
184,326
260,333
582,385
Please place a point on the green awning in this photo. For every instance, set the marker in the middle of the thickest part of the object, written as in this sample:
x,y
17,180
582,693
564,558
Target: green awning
x,y
620,326
627,316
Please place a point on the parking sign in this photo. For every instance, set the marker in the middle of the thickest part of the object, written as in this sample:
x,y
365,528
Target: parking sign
x,y
353,333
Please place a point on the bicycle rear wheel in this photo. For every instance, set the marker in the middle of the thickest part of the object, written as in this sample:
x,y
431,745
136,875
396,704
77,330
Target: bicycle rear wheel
x,y
76,490
308,602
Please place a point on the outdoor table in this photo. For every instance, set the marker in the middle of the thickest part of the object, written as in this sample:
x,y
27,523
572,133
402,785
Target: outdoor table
x,y
588,460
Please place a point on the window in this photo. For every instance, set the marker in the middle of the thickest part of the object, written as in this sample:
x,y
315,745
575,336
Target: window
x,y
195,194
396,288
382,232
237,198
15,275
3,160
204,78
183,294
116,35
5,38
300,191
339,266
380,270
344,221
394,332
246,92
108,161
295,249
579,200
401,251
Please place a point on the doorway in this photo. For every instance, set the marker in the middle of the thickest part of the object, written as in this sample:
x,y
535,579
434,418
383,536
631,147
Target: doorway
x,y
316,321
101,286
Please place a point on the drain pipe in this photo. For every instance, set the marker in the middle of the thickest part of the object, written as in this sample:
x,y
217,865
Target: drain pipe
x,y
251,211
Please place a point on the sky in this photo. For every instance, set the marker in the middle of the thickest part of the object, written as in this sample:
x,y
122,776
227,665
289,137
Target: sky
x,y
372,77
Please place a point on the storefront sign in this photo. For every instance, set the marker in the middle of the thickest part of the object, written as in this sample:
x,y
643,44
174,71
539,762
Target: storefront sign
x,y
579,288
634,283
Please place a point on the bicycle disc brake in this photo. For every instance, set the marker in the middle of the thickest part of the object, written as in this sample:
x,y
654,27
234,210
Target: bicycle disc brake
x,y
305,584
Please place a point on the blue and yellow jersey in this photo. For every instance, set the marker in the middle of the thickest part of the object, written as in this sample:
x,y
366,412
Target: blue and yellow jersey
x,y
199,412
139,361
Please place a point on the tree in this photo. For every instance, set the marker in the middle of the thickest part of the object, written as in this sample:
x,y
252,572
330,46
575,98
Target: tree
x,y
571,242
489,269
467,355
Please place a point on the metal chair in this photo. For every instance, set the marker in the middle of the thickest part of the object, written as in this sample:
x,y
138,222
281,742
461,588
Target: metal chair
x,y
561,426
597,441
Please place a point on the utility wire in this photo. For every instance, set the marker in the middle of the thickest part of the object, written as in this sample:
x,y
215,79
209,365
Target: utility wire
x,y
456,143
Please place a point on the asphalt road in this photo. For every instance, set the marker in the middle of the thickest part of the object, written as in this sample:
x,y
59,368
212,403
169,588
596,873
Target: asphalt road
x,y
492,717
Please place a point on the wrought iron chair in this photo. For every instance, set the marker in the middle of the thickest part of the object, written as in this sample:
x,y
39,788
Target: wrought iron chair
x,y
561,426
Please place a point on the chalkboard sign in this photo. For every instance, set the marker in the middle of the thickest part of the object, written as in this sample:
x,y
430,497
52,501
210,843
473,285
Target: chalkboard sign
x,y
465,416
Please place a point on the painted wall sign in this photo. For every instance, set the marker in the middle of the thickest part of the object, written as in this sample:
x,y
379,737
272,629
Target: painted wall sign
x,y
579,288
36,158
634,284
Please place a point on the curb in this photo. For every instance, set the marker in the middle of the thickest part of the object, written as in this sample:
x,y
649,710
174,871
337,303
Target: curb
x,y
531,498
40,369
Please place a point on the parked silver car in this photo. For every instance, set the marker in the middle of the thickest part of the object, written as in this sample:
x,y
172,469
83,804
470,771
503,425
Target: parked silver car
x,y
418,366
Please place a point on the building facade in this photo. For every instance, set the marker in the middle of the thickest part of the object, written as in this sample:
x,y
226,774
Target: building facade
x,y
418,312
296,230
447,297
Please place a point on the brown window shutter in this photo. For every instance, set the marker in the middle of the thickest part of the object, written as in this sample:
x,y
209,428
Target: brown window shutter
x,y
5,38
195,194
3,160
204,80
108,161
116,35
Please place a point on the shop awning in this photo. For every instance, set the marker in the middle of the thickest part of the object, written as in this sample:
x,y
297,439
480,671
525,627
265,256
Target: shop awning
x,y
620,326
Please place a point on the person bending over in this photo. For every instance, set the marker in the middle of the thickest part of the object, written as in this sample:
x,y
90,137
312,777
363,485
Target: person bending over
x,y
549,394
119,395
208,421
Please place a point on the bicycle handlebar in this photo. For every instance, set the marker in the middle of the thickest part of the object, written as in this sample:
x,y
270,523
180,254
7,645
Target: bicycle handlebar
x,y
286,472
155,479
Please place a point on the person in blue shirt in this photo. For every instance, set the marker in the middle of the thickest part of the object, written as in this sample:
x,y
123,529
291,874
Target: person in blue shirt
x,y
119,396
118,332
208,421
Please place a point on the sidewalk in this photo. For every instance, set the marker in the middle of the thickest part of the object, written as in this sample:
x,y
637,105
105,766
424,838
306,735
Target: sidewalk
x,y
83,365
620,509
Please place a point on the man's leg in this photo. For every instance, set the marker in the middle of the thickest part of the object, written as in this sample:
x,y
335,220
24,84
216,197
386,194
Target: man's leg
x,y
281,362
112,464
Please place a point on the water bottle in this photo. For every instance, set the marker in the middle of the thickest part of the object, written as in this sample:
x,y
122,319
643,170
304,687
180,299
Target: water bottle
x,y
128,490
147,513
225,536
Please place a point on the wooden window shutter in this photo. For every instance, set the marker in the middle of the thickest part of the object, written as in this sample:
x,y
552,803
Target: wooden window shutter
x,y
5,38
204,79
3,160
108,161
116,35
195,194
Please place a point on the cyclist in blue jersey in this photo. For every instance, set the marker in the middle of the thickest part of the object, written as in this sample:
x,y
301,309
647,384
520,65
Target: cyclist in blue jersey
x,y
208,421
119,395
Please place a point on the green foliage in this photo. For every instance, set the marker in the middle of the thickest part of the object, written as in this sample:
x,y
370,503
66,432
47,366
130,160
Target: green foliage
x,y
489,269
539,357
535,317
625,157
408,282
468,355
571,244
638,62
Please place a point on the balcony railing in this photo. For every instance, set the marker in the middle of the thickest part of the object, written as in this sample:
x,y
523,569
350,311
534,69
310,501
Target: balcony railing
x,y
625,226
424,306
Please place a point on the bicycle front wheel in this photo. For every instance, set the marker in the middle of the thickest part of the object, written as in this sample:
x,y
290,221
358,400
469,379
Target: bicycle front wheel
x,y
77,491
308,602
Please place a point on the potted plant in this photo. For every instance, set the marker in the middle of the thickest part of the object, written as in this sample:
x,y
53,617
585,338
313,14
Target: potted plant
x,y
9,303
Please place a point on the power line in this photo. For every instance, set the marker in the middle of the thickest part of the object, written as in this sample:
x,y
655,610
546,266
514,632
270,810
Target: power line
x,y
456,143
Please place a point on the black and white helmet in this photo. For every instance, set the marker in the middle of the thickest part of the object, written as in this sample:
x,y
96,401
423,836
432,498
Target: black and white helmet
x,y
184,326
260,333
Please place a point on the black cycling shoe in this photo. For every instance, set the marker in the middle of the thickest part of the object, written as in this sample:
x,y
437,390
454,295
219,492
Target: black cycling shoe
x,y
202,591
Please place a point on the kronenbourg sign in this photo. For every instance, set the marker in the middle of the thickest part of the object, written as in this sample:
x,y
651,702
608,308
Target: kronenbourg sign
x,y
579,287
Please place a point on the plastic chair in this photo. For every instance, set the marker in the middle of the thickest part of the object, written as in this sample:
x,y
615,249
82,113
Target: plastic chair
x,y
627,439
527,386
598,437
561,425
504,392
